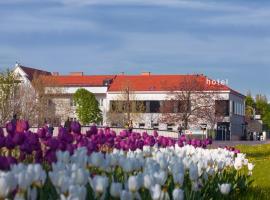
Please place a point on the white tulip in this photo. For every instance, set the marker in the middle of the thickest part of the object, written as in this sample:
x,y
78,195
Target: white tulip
x,y
63,156
155,192
125,195
238,163
115,189
24,180
77,192
99,184
193,172
133,184
32,193
19,196
97,159
127,165
250,166
7,183
147,181
178,178
161,177
80,176
225,188
178,194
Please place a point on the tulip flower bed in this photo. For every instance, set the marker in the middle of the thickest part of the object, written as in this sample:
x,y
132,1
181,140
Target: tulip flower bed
x,y
102,165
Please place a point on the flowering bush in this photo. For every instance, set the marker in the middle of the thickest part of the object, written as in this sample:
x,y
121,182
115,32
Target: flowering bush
x,y
103,165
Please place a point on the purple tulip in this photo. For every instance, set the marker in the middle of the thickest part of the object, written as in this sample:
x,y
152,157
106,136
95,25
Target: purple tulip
x,y
155,134
22,156
18,138
198,143
11,160
194,142
4,165
123,134
91,146
41,133
26,147
1,132
76,127
9,142
183,138
145,135
93,131
70,148
50,156
25,125
113,134
53,144
2,142
10,127
180,143
38,156
236,151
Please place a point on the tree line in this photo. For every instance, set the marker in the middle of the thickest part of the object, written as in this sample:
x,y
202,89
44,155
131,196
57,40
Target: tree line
x,y
258,106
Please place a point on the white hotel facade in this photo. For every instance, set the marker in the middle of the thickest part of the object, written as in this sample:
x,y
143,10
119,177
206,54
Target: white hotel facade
x,y
147,88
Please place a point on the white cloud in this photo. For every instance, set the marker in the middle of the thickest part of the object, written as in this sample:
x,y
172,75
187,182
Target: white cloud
x,y
192,4
32,22
254,17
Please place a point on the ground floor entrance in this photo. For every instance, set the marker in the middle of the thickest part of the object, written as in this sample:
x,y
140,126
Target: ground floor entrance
x,y
223,131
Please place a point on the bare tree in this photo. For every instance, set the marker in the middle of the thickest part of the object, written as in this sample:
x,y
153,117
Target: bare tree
x,y
125,107
8,95
39,100
189,102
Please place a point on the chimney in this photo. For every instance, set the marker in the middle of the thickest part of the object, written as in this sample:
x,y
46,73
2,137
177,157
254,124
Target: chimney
x,y
146,73
76,74
55,73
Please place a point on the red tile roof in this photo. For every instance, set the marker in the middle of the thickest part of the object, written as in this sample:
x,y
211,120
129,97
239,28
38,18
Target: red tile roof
x,y
84,80
165,83
146,82
32,71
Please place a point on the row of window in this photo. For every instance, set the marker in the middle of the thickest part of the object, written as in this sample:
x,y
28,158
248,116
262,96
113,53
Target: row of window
x,y
238,108
167,106
72,102
222,107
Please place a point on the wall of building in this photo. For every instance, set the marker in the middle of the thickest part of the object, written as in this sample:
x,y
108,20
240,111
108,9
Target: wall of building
x,y
153,118
237,115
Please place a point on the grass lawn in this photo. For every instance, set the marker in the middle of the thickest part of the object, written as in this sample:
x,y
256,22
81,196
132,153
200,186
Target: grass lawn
x,y
260,156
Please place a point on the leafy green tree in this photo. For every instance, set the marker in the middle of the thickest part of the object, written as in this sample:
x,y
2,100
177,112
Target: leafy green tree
x,y
250,106
263,109
87,107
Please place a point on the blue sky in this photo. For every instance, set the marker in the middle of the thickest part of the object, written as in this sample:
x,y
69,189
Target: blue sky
x,y
222,39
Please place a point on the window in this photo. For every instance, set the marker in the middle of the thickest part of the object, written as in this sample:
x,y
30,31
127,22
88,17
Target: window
x,y
222,107
139,106
50,102
155,126
116,106
184,106
101,102
168,106
170,126
154,106
141,125
72,102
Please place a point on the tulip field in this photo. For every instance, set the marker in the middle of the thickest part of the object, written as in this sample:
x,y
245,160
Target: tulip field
x,y
100,164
